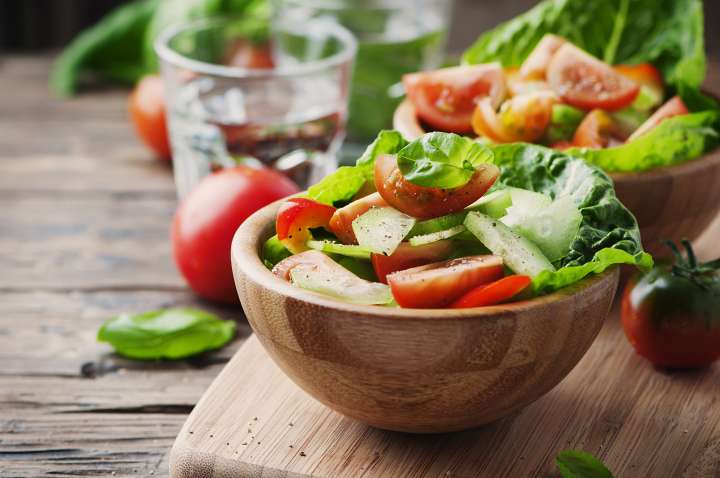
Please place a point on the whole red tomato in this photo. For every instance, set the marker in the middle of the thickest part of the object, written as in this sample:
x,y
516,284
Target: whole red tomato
x,y
207,219
147,111
671,315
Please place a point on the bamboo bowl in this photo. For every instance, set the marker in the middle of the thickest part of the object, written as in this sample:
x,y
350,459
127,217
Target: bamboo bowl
x,y
676,202
416,370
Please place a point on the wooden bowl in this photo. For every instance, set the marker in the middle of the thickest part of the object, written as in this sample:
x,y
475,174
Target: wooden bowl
x,y
416,370
675,202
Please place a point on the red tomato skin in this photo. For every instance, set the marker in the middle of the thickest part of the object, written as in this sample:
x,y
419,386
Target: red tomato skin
x,y
673,107
494,293
583,81
522,118
445,99
296,217
644,74
341,221
437,285
206,221
674,340
147,112
535,65
595,130
423,202
407,257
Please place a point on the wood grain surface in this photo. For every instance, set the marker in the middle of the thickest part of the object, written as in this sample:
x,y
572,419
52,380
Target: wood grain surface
x,y
416,370
641,422
84,217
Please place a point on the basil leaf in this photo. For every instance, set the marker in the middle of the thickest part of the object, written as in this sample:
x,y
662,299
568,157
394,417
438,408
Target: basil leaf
x,y
675,140
579,464
170,333
666,33
442,160
342,185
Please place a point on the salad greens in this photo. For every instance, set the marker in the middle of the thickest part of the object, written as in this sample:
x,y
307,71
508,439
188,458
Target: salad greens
x,y
580,464
567,208
666,33
673,141
441,160
166,334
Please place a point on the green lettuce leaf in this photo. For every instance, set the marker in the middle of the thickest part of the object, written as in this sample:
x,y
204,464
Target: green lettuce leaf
x,y
341,186
674,141
608,233
441,160
666,33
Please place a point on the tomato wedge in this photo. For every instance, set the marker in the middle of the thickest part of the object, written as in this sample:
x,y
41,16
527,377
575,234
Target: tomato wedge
x,y
535,65
646,75
341,220
407,256
445,99
423,202
583,81
597,130
296,217
437,285
673,107
495,293
521,118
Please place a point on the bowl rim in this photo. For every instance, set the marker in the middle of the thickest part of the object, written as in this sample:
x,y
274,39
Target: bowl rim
x,y
406,109
245,257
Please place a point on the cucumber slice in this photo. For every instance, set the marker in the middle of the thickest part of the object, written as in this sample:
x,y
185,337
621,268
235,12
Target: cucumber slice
x,y
360,267
437,224
330,247
629,119
647,99
527,201
382,229
519,254
340,284
436,236
494,204
553,229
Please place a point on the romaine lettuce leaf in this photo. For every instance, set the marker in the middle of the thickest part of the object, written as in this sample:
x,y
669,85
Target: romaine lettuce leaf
x,y
339,187
441,160
608,233
666,33
673,141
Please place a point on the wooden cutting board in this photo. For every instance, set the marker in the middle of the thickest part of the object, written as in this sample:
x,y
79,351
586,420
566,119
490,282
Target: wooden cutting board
x,y
640,421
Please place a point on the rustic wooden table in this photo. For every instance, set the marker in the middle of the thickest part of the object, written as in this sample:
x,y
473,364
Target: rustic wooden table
x,y
84,219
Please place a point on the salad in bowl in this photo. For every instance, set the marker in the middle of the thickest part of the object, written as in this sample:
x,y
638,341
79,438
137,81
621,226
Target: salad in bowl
x,y
615,83
446,222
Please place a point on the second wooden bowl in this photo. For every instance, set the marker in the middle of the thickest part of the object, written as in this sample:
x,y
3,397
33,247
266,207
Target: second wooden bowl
x,y
416,370
674,203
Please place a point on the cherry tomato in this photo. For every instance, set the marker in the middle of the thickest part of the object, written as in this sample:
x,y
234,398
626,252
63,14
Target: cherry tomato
x,y
494,293
535,65
583,81
207,219
437,285
445,99
423,202
246,54
646,75
407,256
147,111
341,221
521,118
673,107
671,315
296,217
596,130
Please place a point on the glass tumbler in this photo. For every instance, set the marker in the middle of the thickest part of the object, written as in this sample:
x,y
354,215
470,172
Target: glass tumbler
x,y
395,37
240,92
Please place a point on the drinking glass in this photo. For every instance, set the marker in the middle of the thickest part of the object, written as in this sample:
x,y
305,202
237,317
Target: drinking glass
x,y
240,92
395,37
